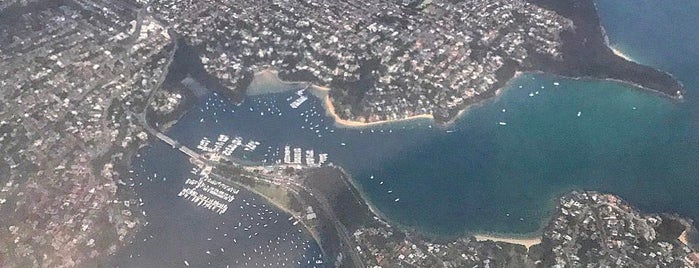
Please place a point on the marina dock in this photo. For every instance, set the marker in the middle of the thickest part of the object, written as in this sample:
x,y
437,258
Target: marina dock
x,y
209,193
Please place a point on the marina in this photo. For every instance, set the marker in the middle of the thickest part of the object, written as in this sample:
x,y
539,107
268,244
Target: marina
x,y
294,156
206,192
409,153
222,146
300,100
183,229
473,176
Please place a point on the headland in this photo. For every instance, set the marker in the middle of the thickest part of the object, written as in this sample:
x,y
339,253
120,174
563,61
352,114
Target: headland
x,y
372,240
586,52
621,54
413,60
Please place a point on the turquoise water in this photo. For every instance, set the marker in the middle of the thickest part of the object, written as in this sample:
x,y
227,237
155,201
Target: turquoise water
x,y
480,176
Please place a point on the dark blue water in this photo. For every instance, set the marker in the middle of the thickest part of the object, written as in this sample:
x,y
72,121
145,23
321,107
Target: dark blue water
x,y
251,233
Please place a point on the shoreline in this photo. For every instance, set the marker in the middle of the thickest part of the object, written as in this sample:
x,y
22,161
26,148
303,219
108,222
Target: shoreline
x,y
684,237
283,207
527,240
323,94
620,53
524,241
267,81
628,84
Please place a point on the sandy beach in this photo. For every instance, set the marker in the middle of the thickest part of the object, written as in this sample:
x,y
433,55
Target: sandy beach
x,y
621,54
684,238
269,78
267,82
527,242
322,93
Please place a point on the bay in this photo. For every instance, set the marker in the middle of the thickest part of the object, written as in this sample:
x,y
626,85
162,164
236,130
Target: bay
x,y
479,175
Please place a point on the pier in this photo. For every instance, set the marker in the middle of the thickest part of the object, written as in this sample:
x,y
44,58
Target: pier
x,y
294,156
212,194
170,141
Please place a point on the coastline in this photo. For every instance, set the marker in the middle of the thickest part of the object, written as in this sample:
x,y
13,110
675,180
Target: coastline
x,y
478,101
526,242
263,78
684,237
270,76
323,94
267,81
621,54
283,207
630,85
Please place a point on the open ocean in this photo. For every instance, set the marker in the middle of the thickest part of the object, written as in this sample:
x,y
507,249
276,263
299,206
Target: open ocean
x,y
480,176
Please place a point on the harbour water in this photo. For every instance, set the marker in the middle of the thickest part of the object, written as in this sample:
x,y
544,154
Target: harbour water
x,y
180,233
480,174
498,168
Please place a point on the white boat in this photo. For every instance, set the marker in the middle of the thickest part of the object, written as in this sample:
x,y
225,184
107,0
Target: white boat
x,y
502,123
579,114
295,104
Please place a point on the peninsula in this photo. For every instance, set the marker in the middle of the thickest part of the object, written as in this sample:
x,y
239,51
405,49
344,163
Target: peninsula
x,y
388,61
78,77
587,228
